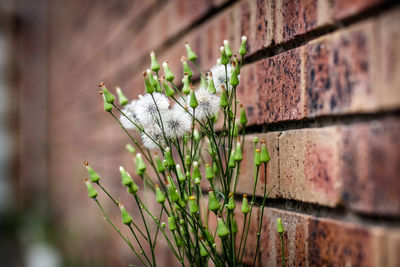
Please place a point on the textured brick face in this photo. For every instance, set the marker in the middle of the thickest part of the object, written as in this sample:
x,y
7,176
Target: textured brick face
x,y
339,71
370,158
333,243
308,165
279,87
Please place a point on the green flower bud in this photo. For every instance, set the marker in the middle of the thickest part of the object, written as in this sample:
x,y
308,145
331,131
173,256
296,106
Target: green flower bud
x,y
154,82
213,203
133,188
193,207
173,194
236,62
91,191
223,102
181,176
209,172
169,76
264,153
196,171
160,197
238,152
130,149
231,162
125,177
159,165
149,87
234,81
243,117
94,177
245,205
163,224
228,49
186,84
235,229
168,90
224,57
231,202
140,165
193,101
222,229
168,157
257,155
121,97
203,82
279,226
235,130
190,54
181,221
107,106
211,86
187,161
196,135
255,140
203,251
154,63
186,68
126,218
109,97
171,223
242,49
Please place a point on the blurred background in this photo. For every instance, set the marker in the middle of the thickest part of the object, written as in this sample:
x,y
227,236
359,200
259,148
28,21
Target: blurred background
x,y
53,53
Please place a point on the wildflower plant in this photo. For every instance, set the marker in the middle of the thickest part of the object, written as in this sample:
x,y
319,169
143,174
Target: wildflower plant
x,y
180,123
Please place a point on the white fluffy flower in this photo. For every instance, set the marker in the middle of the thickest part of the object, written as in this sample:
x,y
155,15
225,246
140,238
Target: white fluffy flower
x,y
156,136
146,108
176,122
219,76
129,111
208,104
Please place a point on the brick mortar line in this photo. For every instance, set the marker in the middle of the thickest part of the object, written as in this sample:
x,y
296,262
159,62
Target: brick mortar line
x,y
339,213
276,49
322,121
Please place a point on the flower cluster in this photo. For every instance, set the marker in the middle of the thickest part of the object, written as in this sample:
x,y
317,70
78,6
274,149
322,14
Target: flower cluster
x,y
180,123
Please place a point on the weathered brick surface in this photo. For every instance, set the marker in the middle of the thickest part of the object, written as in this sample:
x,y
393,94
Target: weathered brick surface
x,y
279,87
340,72
297,17
344,8
370,166
309,165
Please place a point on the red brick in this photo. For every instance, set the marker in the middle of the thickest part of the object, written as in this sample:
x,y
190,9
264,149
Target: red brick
x,y
345,8
370,167
338,243
279,87
309,165
389,53
340,70
295,238
264,23
247,93
294,18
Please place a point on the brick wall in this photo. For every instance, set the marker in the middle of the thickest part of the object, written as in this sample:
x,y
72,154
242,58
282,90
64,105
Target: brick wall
x,y
321,83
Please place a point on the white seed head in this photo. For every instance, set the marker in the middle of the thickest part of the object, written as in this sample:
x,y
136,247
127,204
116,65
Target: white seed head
x,y
129,111
150,106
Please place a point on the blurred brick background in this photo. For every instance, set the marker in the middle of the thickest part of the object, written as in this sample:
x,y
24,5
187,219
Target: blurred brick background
x,y
321,83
